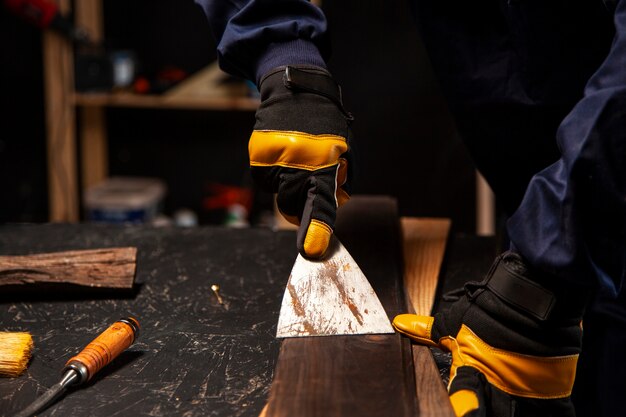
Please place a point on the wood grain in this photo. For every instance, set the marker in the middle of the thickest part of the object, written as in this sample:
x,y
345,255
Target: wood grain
x,y
432,396
102,268
366,376
342,376
424,242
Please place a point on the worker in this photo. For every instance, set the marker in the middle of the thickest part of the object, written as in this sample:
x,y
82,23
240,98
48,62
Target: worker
x,y
516,335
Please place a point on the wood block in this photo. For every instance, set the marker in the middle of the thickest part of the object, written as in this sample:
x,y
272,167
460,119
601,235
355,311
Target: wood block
x,y
101,268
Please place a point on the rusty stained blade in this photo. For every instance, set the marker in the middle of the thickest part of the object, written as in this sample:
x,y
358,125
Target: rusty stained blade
x,y
328,297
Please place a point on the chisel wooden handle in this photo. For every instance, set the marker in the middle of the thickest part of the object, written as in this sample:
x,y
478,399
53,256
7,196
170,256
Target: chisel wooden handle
x,y
103,349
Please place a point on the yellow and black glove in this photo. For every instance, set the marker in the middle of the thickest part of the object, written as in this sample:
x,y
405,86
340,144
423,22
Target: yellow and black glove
x,y
514,342
300,149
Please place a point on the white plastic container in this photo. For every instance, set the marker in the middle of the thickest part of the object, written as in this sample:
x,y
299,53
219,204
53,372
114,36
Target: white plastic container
x,y
124,200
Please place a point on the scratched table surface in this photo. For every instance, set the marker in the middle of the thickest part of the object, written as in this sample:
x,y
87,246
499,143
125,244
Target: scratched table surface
x,y
194,357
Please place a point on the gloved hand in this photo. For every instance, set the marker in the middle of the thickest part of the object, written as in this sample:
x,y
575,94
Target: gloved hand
x,y
300,149
514,342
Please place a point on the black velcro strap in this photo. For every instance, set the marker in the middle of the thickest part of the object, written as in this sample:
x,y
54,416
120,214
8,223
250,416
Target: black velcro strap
x,y
315,82
521,292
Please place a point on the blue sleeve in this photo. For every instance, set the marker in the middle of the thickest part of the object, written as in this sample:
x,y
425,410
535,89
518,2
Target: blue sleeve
x,y
572,220
254,36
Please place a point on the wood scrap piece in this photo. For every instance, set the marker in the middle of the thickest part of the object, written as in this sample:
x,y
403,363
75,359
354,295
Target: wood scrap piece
x,y
100,268
424,242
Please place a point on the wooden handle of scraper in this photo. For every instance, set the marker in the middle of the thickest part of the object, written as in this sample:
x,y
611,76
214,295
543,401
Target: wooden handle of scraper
x,y
104,348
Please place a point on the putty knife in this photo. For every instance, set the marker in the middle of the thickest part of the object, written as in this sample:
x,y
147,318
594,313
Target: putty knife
x,y
330,296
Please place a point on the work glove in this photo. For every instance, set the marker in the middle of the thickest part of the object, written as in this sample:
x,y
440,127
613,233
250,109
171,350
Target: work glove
x,y
300,149
514,342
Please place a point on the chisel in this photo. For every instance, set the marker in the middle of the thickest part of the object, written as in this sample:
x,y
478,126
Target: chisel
x,y
82,367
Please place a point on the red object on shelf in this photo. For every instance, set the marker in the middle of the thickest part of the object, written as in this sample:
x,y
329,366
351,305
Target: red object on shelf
x,y
141,85
37,12
223,196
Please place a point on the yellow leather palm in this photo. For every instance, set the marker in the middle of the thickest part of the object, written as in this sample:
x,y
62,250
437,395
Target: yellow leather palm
x,y
299,147
295,149
305,152
516,374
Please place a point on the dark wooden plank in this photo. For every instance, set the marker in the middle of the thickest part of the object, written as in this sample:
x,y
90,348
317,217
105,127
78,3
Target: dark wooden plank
x,y
353,375
432,396
342,376
101,268
424,243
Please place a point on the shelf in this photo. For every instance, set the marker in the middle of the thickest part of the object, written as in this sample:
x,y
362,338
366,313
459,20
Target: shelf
x,y
164,101
208,89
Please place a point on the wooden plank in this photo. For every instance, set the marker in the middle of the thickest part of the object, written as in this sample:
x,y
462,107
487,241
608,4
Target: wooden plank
x,y
432,396
341,376
94,146
424,242
102,268
207,89
131,100
353,375
93,139
88,15
60,126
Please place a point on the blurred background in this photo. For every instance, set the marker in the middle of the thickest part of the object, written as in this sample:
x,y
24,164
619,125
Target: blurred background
x,y
135,122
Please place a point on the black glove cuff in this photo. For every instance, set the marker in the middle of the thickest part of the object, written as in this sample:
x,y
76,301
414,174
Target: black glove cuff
x,y
302,78
536,294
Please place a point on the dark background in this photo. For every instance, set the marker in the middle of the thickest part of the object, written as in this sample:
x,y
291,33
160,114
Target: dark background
x,y
406,143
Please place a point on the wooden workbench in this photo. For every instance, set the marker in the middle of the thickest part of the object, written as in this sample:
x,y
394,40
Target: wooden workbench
x,y
196,357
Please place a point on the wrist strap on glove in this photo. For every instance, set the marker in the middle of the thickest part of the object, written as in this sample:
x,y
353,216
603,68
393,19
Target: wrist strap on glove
x,y
531,292
312,80
316,82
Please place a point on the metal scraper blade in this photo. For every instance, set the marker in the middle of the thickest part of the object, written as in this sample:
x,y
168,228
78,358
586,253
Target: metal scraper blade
x,y
330,296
